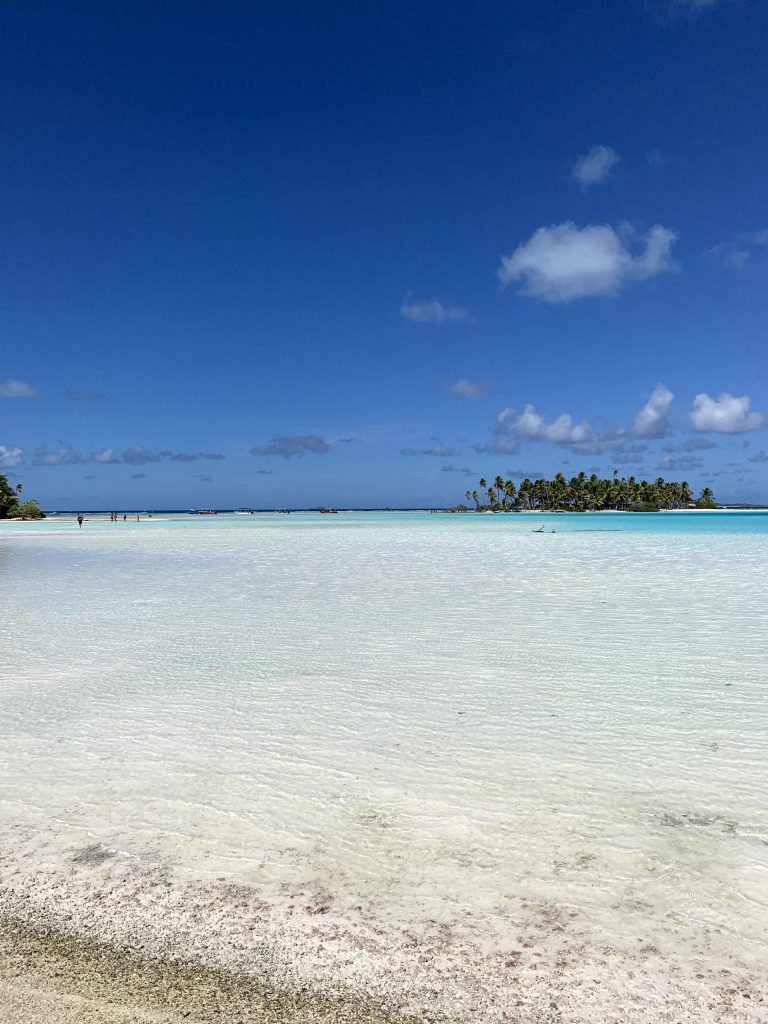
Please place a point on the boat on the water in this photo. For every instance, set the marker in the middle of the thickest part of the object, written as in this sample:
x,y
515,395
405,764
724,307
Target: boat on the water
x,y
244,512
203,512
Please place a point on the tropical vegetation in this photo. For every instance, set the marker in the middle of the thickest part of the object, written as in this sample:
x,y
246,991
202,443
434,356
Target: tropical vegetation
x,y
584,493
11,507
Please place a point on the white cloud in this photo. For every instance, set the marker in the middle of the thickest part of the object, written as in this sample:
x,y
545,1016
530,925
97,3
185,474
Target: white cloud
x,y
531,426
431,311
726,414
651,420
737,253
10,456
10,388
501,442
563,262
467,388
139,456
105,455
61,457
594,166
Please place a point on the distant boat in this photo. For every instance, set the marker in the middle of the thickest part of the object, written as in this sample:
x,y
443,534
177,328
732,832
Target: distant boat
x,y
203,512
329,511
244,512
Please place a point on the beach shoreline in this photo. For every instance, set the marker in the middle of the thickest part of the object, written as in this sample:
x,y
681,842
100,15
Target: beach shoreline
x,y
130,944
47,975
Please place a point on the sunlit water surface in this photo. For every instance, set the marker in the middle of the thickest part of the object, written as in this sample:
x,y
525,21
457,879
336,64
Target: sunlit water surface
x,y
434,714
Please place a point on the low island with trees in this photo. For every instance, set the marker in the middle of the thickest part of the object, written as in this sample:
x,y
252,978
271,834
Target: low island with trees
x,y
11,506
584,493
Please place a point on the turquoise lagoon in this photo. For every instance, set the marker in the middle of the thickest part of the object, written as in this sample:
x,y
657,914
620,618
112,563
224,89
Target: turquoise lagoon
x,y
540,758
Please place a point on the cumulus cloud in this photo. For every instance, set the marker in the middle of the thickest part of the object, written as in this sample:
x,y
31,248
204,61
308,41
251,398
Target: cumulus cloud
x,y
563,262
60,457
581,436
594,166
501,442
761,456
290,445
651,420
438,449
431,311
139,456
737,253
10,456
725,414
467,388
530,425
105,455
11,388
465,470
679,462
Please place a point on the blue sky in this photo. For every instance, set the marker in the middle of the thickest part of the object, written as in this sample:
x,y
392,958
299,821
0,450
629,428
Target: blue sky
x,y
364,253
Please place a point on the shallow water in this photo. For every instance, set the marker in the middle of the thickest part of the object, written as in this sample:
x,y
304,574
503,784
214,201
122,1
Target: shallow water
x,y
438,716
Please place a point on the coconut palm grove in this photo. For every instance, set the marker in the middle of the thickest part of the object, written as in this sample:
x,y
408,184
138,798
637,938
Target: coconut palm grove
x,y
10,505
584,493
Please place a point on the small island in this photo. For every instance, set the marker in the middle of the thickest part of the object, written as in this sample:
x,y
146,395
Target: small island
x,y
10,505
584,493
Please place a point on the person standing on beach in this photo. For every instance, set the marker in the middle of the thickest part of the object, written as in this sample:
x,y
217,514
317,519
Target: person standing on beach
x,y
80,520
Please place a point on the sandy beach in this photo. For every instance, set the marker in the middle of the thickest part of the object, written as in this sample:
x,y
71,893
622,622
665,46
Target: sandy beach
x,y
50,977
128,948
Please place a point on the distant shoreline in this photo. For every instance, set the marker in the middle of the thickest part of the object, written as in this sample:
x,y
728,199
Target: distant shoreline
x,y
162,515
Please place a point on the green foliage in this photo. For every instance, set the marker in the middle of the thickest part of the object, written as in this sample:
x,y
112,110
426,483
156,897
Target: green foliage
x,y
9,500
30,510
586,494
11,508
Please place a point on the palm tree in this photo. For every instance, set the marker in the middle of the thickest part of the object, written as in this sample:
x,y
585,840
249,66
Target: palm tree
x,y
498,485
509,493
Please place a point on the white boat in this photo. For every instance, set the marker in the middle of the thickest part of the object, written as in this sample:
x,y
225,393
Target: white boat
x,y
244,512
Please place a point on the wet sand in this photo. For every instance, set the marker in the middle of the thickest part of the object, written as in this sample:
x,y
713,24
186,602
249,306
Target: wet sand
x,y
47,977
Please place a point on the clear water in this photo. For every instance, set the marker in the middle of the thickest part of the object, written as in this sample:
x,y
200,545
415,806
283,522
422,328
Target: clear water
x,y
437,715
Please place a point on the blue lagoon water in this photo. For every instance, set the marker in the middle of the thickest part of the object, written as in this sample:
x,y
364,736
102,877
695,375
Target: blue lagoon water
x,y
438,758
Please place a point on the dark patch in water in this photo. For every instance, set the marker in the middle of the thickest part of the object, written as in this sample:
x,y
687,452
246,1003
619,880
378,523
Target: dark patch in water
x,y
717,821
93,855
